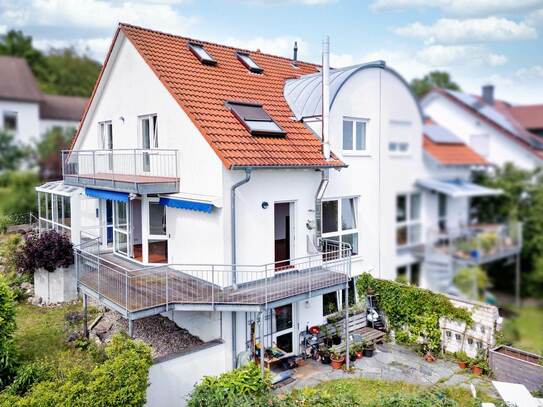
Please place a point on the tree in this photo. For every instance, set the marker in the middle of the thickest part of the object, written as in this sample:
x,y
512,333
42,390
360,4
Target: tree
x,y
15,43
48,152
438,79
7,328
11,153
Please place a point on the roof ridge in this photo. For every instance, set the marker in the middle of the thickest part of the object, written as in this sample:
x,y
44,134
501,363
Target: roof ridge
x,y
121,25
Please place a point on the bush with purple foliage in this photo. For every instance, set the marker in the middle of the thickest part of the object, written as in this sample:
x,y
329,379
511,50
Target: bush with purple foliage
x,y
48,250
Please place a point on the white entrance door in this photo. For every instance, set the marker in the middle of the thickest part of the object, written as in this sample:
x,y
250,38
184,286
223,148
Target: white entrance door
x,y
157,242
283,327
121,228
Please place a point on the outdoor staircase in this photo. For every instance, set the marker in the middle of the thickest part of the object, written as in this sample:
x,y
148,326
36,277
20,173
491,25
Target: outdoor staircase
x,y
440,270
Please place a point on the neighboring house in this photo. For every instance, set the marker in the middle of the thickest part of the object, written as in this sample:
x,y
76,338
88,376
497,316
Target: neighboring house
x,y
218,191
25,110
497,130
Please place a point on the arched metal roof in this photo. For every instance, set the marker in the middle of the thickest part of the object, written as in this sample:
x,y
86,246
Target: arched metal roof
x,y
304,95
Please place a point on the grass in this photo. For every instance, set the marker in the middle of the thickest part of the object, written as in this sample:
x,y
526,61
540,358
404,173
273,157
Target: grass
x,y
525,331
368,391
41,331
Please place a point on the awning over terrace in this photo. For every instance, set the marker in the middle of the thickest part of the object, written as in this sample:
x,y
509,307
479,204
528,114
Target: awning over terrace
x,y
457,188
103,194
201,203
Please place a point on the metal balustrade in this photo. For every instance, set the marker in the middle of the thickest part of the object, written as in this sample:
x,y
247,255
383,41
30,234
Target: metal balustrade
x,y
129,170
209,286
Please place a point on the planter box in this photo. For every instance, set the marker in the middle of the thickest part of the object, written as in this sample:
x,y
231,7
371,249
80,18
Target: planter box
x,y
517,366
55,287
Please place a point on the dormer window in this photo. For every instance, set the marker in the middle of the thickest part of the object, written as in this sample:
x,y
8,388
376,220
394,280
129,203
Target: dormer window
x,y
255,119
199,51
249,63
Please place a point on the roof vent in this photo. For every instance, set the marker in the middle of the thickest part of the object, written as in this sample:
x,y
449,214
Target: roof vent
x,y
203,56
255,119
295,56
488,94
248,62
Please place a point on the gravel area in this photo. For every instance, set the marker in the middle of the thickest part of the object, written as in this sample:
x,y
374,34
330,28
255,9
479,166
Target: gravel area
x,y
162,334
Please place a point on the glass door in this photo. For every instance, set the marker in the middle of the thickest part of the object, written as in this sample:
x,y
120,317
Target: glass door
x,y
282,328
157,242
120,228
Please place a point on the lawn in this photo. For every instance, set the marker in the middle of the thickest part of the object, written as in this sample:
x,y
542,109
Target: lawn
x,y
371,391
41,331
525,331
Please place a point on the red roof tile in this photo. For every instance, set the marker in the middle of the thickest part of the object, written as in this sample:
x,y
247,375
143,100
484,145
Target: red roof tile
x,y
529,116
202,90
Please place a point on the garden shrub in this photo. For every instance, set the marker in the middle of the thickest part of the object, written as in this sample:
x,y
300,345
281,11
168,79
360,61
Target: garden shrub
x,y
413,310
7,328
464,281
237,387
28,375
121,380
48,250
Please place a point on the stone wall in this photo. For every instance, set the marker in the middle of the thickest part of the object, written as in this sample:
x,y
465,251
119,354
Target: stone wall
x,y
517,366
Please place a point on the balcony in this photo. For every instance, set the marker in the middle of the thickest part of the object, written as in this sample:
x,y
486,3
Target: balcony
x,y
137,291
137,171
478,244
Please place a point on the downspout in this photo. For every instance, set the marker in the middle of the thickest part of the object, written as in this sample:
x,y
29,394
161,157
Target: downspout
x,y
326,97
233,253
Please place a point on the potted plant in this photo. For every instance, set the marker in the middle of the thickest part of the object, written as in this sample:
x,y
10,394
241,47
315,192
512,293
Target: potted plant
x,y
368,349
358,350
336,338
327,336
462,359
352,354
337,359
480,364
324,354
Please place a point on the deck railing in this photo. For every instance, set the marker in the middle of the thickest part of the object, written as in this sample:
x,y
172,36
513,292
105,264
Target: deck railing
x,y
120,164
211,284
478,243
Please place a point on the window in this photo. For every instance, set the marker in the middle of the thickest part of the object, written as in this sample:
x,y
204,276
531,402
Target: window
x,y
255,119
249,63
458,337
354,135
10,121
399,137
149,131
106,135
449,334
329,304
339,221
54,212
408,223
203,56
157,219
470,341
409,274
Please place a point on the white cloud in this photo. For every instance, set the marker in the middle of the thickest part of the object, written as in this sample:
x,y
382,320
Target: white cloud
x,y
477,30
281,2
532,72
94,14
341,60
461,7
3,29
282,45
94,47
446,56
535,18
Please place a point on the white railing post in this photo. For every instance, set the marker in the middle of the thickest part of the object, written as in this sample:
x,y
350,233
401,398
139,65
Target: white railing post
x,y
213,286
167,289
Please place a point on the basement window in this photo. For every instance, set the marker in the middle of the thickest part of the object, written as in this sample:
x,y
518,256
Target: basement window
x,y
200,53
255,119
249,63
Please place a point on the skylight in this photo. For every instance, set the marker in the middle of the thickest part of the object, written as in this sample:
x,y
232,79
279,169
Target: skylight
x,y
255,119
202,54
249,63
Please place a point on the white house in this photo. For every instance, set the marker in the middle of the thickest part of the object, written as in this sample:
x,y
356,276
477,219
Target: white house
x,y
209,184
499,131
25,110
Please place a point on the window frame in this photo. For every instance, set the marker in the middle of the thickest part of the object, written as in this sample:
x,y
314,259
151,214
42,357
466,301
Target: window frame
x,y
15,116
153,130
409,223
354,151
397,141
209,60
231,105
254,69
56,207
105,133
340,232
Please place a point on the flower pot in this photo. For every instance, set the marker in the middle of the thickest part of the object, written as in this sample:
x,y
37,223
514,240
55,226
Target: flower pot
x,y
359,354
325,360
476,370
336,339
352,357
462,365
328,342
368,352
337,363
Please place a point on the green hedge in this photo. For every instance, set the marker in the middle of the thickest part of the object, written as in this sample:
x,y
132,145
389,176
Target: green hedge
x,y
7,328
121,380
412,311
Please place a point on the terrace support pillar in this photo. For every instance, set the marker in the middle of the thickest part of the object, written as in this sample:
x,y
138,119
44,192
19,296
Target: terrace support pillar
x,y
517,281
261,332
130,327
347,356
85,317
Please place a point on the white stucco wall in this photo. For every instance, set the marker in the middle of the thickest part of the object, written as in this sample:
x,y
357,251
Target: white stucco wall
x,y
28,119
48,124
501,149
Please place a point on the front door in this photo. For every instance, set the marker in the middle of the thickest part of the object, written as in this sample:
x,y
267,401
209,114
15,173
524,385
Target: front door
x,y
283,328
283,234
157,242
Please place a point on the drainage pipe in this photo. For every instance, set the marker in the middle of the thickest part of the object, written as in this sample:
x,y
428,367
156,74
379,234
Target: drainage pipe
x,y
233,254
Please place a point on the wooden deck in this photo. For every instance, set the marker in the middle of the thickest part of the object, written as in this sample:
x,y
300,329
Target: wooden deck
x,y
149,288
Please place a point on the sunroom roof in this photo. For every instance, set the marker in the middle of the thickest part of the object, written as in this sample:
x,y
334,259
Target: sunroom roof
x,y
58,188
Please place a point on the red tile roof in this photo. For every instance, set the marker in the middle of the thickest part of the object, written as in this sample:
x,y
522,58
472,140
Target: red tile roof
x,y
17,81
529,116
60,107
202,90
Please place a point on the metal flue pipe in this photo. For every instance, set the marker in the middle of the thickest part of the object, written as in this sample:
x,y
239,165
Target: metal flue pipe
x,y
326,97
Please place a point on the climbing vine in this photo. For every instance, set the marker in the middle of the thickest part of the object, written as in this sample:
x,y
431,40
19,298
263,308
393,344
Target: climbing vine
x,y
411,311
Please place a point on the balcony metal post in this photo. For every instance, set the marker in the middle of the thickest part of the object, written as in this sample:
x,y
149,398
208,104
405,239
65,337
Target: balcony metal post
x,y
94,167
213,286
347,356
135,171
261,329
167,290
126,290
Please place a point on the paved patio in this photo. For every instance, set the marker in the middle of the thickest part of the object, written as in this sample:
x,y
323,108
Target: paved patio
x,y
390,362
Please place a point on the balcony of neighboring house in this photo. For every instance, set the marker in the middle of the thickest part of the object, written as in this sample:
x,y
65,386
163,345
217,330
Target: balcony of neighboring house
x,y
138,171
137,291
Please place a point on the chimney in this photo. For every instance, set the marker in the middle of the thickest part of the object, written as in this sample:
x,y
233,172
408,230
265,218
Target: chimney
x,y
326,97
295,56
488,94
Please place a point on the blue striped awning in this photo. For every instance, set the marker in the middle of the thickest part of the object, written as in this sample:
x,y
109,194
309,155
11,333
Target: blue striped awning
x,y
187,204
103,194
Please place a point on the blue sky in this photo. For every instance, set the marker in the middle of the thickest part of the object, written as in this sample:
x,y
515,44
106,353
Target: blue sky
x,y
477,41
